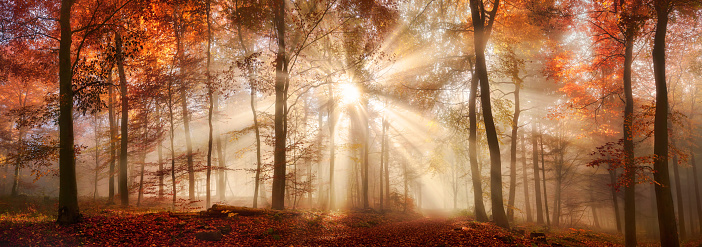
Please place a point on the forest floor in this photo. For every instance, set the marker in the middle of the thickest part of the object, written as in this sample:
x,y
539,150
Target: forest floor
x,y
30,222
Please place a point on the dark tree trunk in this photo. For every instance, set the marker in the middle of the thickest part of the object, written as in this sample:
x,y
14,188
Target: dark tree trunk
x,y
697,189
170,118
481,35
525,180
537,185
123,189
615,198
513,154
679,196
281,82
97,158
210,89
543,181
160,153
664,199
68,212
629,163
18,162
480,214
113,137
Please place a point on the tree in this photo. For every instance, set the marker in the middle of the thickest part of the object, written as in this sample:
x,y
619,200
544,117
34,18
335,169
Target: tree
x,y
68,211
482,26
537,185
113,137
210,90
479,208
281,84
664,199
123,189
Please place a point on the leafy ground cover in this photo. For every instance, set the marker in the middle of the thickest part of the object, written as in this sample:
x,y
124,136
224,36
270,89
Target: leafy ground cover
x,y
27,222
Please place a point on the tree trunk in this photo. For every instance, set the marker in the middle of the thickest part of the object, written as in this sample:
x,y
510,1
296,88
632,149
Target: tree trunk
x,y
332,147
123,189
525,180
556,219
143,158
697,188
170,118
382,160
366,139
479,208
615,198
221,182
68,211
113,137
593,205
537,185
629,163
543,174
160,153
178,29
679,197
18,162
97,158
664,200
258,144
387,164
513,154
281,81
210,90
481,35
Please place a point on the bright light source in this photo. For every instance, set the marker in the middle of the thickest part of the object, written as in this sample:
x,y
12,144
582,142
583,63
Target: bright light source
x,y
350,94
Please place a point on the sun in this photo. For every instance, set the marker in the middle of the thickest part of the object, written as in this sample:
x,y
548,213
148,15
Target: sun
x,y
349,94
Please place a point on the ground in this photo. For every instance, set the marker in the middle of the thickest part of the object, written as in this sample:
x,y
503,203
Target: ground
x,y
30,222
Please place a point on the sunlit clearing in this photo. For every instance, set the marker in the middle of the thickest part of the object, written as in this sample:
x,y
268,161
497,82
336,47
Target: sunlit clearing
x,y
350,94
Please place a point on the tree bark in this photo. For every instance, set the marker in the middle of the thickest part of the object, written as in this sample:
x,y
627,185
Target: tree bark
x,y
513,154
525,180
679,196
537,185
479,208
366,139
68,211
170,118
697,188
18,162
481,35
210,90
281,81
615,198
543,181
382,160
160,153
123,187
629,163
664,200
332,146
221,179
113,137
97,158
